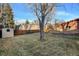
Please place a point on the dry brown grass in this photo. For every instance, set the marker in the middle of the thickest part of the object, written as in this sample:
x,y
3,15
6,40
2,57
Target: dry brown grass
x,y
29,44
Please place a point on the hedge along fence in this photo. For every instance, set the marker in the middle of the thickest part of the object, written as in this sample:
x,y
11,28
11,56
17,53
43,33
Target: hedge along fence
x,y
21,32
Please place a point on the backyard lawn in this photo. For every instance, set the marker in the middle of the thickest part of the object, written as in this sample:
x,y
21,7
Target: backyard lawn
x,y
29,45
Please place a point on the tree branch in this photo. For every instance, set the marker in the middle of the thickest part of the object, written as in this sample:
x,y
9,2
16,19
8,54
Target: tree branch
x,y
49,9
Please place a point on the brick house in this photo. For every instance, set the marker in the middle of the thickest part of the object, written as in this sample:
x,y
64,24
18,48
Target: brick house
x,y
69,26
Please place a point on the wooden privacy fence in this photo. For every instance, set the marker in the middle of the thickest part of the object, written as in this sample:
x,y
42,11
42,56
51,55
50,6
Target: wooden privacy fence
x,y
20,32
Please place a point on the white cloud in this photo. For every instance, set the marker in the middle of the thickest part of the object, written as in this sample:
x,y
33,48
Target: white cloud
x,y
66,16
63,13
19,21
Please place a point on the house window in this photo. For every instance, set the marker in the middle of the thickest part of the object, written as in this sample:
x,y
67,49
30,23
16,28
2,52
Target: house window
x,y
68,28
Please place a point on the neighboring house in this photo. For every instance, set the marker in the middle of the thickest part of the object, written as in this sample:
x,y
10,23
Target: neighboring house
x,y
69,26
26,28
29,27
34,27
22,27
66,26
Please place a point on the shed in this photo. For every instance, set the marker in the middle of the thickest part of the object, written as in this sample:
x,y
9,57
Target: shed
x,y
6,32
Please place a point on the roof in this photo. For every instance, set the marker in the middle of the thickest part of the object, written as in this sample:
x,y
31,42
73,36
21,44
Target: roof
x,y
77,19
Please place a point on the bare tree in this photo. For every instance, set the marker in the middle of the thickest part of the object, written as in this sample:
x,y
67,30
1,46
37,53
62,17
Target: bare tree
x,y
42,11
58,22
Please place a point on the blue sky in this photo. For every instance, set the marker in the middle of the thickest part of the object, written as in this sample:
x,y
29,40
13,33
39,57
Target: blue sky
x,y
63,12
22,12
67,11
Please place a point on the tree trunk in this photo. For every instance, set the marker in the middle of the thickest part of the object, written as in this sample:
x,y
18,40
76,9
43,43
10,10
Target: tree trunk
x,y
41,32
42,28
